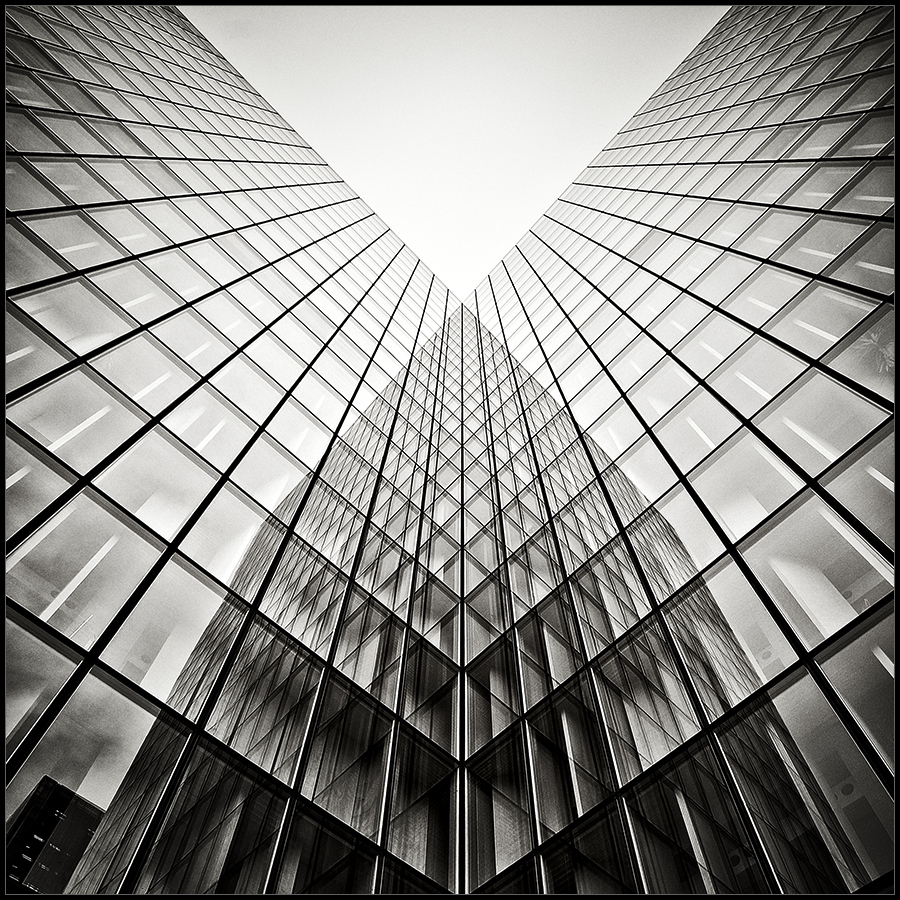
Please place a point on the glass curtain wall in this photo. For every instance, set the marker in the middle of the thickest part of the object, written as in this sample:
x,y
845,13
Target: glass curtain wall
x,y
323,581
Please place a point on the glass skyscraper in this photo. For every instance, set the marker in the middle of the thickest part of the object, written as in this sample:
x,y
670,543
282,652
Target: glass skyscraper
x,y
322,580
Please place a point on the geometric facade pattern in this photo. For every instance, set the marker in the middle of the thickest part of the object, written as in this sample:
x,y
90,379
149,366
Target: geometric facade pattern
x,y
321,580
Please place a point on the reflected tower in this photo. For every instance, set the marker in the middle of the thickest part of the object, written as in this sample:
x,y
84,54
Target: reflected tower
x,y
322,720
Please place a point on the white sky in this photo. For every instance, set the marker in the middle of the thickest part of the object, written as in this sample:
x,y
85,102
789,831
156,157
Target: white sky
x,y
458,125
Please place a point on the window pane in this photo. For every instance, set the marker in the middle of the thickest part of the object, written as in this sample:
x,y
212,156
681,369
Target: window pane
x,y
861,667
30,486
25,260
752,376
75,239
865,485
157,482
645,702
498,825
75,315
345,770
322,858
143,372
743,484
27,355
128,228
724,629
819,318
822,813
821,185
595,860
695,428
24,191
133,289
869,357
819,244
174,641
423,815
689,833
818,569
234,810
661,390
265,704
871,265
35,671
75,180
78,569
94,748
75,418
818,420
871,195
231,540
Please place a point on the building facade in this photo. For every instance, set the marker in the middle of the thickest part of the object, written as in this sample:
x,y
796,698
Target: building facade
x,y
323,581
46,837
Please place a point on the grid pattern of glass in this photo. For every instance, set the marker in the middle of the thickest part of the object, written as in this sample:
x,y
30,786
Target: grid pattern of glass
x,y
321,581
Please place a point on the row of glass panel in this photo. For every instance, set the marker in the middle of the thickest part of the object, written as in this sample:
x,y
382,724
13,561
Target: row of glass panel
x,y
814,775
821,574
230,97
743,68
850,92
770,100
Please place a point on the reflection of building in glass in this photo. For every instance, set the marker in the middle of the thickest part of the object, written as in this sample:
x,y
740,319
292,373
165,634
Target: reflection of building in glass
x,y
321,581
266,702
45,839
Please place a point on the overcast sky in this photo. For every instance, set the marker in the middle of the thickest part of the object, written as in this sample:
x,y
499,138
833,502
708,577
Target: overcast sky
x,y
458,125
